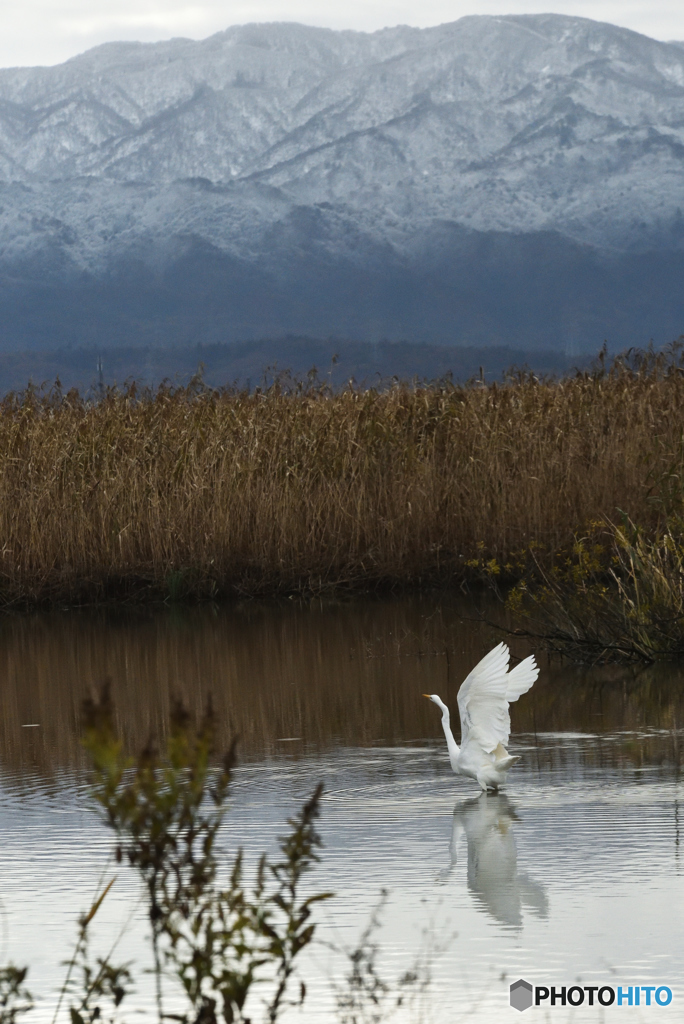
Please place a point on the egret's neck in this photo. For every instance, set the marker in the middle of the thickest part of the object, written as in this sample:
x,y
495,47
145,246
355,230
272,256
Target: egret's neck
x,y
452,746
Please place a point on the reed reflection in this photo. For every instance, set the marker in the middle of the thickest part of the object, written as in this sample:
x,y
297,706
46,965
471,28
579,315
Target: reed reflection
x,y
498,887
332,673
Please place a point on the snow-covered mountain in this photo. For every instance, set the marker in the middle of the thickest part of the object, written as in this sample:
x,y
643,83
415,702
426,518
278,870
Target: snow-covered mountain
x,y
515,179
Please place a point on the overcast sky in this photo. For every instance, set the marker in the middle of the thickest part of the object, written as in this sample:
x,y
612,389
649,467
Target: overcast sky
x,y
50,31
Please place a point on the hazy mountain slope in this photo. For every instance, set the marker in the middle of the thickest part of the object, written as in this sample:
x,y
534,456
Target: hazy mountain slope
x,y
519,171
259,361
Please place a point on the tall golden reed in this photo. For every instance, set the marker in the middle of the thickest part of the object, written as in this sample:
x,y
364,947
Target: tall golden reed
x,y
202,492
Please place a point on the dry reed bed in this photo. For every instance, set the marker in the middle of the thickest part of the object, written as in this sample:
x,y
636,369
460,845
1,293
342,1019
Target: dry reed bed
x,y
200,492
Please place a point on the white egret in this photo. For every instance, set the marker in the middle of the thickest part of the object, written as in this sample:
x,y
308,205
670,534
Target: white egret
x,y
483,701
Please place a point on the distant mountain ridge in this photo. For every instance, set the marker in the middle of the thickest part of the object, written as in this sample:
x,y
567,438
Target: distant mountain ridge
x,y
507,180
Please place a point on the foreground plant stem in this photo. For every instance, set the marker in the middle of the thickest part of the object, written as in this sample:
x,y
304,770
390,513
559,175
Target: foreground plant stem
x,y
166,811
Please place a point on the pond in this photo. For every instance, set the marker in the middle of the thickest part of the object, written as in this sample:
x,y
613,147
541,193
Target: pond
x,y
572,877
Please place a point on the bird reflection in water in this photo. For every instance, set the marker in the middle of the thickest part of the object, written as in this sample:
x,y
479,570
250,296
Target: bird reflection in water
x,y
498,887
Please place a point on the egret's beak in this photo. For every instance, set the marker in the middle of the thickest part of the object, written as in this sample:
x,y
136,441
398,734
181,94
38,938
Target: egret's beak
x,y
428,696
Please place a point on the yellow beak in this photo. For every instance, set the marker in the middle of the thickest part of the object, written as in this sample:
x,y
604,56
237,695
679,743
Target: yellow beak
x,y
427,695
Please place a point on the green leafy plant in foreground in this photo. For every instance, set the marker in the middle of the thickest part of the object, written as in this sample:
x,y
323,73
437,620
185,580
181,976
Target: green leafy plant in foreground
x,y
15,999
100,984
365,995
222,944
218,941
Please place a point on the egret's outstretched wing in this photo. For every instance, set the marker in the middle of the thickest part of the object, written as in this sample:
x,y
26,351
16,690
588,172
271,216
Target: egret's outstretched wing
x,y
482,700
484,697
521,678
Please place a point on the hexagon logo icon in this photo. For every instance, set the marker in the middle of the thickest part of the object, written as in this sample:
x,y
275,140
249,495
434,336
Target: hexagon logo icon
x,y
521,995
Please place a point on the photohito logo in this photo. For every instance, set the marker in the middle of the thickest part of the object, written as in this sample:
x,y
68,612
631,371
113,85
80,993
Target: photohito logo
x,y
521,995
524,995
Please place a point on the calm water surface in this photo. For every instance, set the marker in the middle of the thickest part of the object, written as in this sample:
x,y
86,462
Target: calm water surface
x,y
574,875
